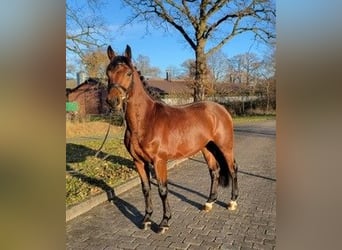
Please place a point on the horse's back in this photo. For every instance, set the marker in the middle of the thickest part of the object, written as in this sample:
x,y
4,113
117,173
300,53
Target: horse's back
x,y
210,110
203,106
204,112
196,118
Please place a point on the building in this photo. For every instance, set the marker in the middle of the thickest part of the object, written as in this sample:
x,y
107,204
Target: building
x,y
90,96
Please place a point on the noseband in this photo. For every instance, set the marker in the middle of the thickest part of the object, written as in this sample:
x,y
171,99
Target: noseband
x,y
122,90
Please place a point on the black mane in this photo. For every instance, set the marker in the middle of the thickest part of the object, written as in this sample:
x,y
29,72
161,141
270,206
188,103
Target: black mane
x,y
154,92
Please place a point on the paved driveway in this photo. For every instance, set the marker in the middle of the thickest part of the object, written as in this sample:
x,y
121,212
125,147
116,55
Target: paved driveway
x,y
115,225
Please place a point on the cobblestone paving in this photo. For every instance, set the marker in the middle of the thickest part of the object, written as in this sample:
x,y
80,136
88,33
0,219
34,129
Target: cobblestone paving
x,y
115,225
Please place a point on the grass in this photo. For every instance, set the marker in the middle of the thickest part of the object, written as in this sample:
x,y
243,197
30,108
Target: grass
x,y
252,118
87,175
93,128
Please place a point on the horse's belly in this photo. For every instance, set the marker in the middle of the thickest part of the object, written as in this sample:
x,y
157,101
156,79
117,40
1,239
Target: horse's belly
x,y
185,147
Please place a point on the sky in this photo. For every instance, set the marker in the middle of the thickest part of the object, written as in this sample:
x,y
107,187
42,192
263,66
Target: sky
x,y
164,49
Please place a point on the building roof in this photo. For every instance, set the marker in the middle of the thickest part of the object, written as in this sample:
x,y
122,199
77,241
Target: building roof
x,y
71,83
91,81
171,87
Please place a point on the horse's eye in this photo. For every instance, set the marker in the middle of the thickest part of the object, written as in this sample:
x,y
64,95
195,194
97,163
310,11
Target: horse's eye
x,y
129,73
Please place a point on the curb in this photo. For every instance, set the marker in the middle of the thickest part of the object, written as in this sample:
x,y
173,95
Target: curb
x,y
88,204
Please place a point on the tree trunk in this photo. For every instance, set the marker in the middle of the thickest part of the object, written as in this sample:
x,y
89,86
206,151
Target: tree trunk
x,y
268,97
201,76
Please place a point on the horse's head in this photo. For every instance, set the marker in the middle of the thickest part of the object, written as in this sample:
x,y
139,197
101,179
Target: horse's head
x,y
120,77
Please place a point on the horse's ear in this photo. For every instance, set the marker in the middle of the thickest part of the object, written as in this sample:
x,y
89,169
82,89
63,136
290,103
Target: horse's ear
x,y
128,52
110,53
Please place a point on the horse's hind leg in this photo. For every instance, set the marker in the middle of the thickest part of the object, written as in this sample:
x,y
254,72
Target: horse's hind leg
x,y
235,189
214,174
228,161
233,168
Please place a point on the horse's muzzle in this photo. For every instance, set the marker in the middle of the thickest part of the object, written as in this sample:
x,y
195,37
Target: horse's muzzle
x,y
114,103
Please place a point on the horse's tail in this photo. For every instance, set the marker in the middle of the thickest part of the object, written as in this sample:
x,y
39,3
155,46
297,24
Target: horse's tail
x,y
224,174
222,163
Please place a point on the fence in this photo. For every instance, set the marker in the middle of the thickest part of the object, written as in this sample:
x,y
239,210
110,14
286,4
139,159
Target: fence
x,y
237,105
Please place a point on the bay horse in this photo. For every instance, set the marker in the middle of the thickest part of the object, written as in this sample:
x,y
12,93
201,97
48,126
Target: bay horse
x,y
157,132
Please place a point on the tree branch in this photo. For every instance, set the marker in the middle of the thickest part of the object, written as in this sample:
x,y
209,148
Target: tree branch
x,y
83,31
157,7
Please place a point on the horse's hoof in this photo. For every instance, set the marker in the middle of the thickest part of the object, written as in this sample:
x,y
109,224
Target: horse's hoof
x,y
146,225
163,229
207,206
232,205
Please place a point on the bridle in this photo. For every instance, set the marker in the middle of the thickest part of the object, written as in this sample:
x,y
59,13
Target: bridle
x,y
116,85
124,92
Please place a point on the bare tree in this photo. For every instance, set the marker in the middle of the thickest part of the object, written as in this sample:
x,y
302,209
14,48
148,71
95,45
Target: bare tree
x,y
85,28
199,21
245,68
189,67
269,64
251,66
268,78
218,64
234,69
144,66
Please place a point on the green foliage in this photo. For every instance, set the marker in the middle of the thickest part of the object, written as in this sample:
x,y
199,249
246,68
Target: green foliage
x,y
87,175
252,118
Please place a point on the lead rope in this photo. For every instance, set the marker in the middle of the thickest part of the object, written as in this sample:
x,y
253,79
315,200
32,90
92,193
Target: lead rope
x,y
105,138
123,111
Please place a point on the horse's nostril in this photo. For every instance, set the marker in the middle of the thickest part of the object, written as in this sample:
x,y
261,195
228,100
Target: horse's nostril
x,y
110,102
113,102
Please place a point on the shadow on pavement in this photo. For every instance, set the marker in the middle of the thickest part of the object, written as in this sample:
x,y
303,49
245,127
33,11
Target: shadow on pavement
x,y
257,175
184,198
193,203
129,211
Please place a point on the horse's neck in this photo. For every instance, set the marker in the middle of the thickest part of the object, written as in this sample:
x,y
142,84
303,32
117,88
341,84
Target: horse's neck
x,y
139,105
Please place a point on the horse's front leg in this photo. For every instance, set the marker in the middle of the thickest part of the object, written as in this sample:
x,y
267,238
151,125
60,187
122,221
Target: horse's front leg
x,y
161,174
144,173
